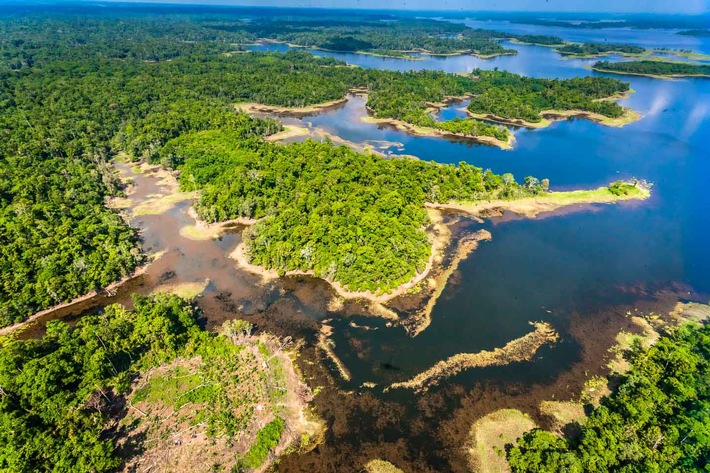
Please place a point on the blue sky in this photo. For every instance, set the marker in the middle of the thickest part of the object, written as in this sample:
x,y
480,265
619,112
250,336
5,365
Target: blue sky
x,y
638,6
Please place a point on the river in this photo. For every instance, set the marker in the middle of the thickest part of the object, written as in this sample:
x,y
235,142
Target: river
x,y
580,270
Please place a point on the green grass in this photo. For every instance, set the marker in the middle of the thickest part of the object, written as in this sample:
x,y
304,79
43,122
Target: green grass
x,y
178,389
266,440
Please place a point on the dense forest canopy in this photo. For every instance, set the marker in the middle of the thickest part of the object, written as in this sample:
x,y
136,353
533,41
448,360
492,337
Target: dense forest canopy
x,y
657,419
350,217
654,68
597,49
76,90
509,95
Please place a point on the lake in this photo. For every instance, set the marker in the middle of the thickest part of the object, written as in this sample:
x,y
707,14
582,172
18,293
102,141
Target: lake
x,y
550,268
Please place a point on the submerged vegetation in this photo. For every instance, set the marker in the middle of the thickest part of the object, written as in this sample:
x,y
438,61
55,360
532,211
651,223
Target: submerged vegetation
x,y
654,68
520,349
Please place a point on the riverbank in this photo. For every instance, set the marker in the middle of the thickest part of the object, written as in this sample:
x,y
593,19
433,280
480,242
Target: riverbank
x,y
653,76
78,300
252,107
532,206
427,131
550,116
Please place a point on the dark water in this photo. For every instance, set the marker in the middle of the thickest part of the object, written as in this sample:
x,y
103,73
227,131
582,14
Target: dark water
x,y
547,269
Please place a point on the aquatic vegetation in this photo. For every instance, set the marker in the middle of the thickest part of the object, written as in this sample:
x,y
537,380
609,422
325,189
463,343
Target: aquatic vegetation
x,y
418,322
381,466
327,345
520,349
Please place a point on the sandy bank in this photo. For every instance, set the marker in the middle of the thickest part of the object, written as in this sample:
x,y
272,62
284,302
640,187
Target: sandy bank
x,y
426,131
290,131
294,111
532,206
550,116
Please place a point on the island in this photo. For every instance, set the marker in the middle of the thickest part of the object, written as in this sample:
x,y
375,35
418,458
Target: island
x,y
695,32
657,69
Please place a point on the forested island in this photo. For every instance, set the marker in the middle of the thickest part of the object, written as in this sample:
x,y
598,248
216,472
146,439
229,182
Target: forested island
x,y
697,32
654,68
511,98
587,50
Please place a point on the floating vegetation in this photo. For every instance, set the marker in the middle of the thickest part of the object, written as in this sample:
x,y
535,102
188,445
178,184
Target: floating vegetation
x,y
327,345
520,349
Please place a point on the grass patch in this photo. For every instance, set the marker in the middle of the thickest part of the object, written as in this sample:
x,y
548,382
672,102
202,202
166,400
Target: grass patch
x,y
489,436
173,390
266,440
186,290
381,466
160,205
563,412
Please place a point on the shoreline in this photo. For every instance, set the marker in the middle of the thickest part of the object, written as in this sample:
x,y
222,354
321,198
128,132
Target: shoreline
x,y
550,116
417,130
253,107
531,207
653,76
139,271
438,238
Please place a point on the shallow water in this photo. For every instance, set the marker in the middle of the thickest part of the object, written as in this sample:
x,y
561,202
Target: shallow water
x,y
574,269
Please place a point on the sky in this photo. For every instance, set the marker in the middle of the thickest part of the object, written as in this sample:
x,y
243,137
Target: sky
x,y
606,6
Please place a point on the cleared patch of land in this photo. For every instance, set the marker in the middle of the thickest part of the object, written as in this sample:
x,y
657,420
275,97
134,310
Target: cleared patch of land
x,y
253,395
